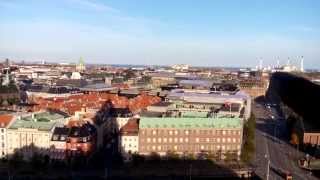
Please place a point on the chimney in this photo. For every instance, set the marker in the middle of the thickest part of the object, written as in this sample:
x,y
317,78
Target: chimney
x,y
301,65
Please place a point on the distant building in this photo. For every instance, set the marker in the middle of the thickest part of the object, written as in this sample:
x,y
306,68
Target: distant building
x,y
180,67
254,87
190,135
237,104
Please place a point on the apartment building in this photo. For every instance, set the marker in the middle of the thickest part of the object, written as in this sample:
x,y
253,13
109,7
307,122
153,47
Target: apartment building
x,y
190,135
5,120
33,129
129,139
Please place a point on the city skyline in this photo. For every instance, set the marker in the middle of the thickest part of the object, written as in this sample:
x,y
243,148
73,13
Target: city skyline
x,y
207,33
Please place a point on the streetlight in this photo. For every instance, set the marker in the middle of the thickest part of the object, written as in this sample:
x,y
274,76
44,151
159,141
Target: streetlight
x,y
268,165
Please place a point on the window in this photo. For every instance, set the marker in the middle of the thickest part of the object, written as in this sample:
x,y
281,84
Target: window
x,y
170,132
197,139
154,132
148,140
207,139
176,132
175,140
2,130
223,140
223,132
229,140
154,140
186,132
234,140
159,140
218,140
165,140
186,140
181,140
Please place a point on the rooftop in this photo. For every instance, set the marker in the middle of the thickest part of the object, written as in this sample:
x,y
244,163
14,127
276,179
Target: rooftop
x,y
207,97
5,119
130,128
193,123
42,121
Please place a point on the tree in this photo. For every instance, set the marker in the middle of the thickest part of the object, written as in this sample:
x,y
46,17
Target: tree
x,y
36,161
171,155
154,156
136,159
15,160
145,79
248,148
128,74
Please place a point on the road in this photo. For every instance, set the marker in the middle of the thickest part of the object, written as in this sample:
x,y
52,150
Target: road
x,y
271,143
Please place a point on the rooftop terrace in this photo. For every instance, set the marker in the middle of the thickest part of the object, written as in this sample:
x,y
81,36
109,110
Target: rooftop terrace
x,y
189,123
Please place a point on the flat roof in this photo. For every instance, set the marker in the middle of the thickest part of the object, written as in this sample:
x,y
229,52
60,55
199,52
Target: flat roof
x,y
207,97
42,121
189,123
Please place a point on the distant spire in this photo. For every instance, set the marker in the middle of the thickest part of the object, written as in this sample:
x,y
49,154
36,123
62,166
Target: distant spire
x,y
288,62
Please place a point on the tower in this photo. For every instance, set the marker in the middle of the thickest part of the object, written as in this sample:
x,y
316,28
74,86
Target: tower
x,y
6,79
301,64
80,67
260,64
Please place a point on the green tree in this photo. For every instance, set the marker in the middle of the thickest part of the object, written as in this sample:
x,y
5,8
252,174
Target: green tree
x,y
36,161
15,160
248,148
171,155
154,156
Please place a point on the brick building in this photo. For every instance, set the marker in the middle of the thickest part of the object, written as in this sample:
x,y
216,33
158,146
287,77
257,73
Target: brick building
x,y
190,135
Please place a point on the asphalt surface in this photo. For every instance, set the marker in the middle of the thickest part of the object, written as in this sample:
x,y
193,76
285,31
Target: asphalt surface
x,y
272,144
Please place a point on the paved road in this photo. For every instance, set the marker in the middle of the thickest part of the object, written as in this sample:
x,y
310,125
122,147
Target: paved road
x,y
271,142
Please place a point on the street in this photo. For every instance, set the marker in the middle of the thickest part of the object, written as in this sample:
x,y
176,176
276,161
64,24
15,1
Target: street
x,y
272,144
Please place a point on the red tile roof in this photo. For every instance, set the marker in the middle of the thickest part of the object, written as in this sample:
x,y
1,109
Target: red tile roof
x,y
74,103
130,128
5,119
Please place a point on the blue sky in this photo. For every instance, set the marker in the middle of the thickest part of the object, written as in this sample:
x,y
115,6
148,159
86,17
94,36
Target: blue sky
x,y
203,33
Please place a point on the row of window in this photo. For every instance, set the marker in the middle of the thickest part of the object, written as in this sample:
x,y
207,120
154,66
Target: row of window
x,y
191,148
186,140
187,132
